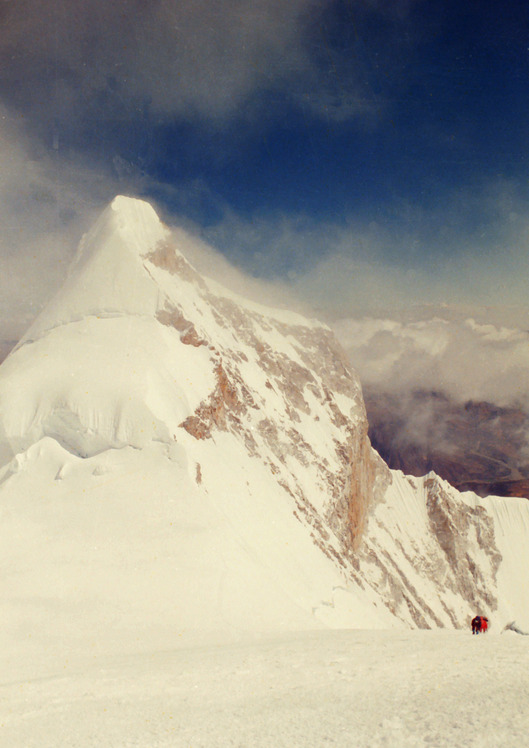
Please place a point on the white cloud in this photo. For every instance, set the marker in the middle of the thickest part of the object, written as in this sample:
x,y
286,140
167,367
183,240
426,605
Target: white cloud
x,y
44,208
212,264
457,356
205,58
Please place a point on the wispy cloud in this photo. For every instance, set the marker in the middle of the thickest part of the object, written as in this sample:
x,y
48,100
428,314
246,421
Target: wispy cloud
x,y
204,59
472,250
44,208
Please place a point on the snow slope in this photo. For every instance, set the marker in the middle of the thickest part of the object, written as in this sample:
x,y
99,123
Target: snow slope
x,y
106,553
511,531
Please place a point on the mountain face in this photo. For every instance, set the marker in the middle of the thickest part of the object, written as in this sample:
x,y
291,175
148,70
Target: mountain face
x,y
138,347
177,458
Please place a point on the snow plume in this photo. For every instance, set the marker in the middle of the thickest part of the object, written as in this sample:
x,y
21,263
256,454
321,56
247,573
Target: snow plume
x,y
45,206
210,262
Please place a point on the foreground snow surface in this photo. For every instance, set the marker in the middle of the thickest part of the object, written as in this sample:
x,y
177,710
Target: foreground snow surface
x,y
345,688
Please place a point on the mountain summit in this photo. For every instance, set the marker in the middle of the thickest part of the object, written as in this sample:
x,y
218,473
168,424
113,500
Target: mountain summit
x,y
178,458
137,347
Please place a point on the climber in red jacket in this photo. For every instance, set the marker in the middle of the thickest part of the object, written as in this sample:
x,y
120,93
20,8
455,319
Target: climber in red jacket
x,y
480,624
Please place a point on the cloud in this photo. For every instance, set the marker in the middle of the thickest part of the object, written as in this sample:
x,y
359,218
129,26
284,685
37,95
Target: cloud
x,y
45,206
206,60
184,59
210,263
426,381
471,250
448,353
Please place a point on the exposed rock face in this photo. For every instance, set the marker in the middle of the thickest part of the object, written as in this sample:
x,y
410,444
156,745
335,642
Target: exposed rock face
x,y
457,526
364,482
477,446
307,383
431,537
172,317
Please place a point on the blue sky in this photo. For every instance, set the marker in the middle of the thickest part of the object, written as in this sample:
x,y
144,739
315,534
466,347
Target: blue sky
x,y
312,139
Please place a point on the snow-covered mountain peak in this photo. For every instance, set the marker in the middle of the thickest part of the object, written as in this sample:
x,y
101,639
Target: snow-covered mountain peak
x,y
130,263
128,222
137,347
136,221
156,410
137,215
107,276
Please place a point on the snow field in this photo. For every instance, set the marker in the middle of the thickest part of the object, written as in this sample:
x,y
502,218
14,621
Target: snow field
x,y
111,551
326,688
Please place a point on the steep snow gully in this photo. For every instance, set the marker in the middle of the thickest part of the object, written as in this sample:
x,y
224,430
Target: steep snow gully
x,y
178,459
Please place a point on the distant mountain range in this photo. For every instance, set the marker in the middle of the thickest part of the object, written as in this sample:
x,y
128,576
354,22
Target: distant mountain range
x,y
476,446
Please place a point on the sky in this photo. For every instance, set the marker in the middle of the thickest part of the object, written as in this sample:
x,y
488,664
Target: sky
x,y
366,154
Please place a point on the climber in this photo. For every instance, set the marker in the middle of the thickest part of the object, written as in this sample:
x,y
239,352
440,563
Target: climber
x,y
480,624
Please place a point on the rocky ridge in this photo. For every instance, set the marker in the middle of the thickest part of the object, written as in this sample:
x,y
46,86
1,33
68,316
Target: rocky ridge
x,y
310,380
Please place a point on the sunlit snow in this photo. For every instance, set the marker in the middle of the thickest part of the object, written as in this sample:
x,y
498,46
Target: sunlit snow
x,y
443,689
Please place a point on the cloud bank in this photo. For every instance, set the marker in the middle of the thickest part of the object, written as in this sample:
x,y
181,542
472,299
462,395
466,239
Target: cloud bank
x,y
458,356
